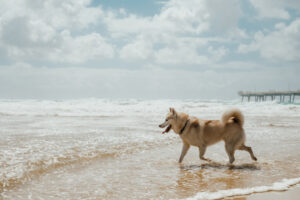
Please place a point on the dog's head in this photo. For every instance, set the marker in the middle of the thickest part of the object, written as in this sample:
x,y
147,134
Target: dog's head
x,y
170,119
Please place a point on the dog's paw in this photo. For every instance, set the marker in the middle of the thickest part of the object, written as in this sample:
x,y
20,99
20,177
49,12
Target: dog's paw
x,y
206,159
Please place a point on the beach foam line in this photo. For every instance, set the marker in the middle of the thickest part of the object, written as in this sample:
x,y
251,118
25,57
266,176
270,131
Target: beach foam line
x,y
277,186
11,177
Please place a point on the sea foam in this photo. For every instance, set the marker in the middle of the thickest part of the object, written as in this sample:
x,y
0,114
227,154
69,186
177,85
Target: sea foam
x,y
277,186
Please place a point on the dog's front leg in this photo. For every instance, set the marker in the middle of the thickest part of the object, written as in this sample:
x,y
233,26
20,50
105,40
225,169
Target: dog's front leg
x,y
184,150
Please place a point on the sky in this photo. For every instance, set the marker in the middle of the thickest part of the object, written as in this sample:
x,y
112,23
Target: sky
x,y
150,49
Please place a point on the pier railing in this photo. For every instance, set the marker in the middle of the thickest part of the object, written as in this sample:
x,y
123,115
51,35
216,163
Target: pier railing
x,y
262,96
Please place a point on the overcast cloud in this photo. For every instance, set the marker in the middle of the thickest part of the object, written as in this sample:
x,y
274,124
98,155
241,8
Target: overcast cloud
x,y
172,49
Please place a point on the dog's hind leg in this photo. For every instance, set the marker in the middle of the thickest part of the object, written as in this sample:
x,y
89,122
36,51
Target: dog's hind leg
x,y
230,152
202,149
184,150
249,149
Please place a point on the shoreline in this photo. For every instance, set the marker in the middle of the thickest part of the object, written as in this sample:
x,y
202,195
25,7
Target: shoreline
x,y
292,193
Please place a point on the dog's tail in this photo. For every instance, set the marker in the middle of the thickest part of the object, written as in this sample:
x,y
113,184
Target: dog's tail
x,y
233,115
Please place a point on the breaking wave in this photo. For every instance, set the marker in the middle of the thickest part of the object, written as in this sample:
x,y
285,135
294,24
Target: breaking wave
x,y
277,186
11,176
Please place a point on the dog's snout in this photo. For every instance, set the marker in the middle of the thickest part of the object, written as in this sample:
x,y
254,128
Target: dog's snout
x,y
163,125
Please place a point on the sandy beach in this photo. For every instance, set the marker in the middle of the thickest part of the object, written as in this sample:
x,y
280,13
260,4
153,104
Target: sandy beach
x,y
103,149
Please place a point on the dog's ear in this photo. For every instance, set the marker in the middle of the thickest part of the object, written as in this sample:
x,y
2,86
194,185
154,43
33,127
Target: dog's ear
x,y
172,110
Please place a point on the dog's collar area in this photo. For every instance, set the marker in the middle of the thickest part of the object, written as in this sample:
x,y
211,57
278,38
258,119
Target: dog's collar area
x,y
181,131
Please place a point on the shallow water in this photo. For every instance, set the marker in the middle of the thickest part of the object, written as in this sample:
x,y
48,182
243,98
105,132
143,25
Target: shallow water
x,y
113,149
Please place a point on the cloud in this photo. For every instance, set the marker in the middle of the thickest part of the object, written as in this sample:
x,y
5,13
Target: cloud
x,y
81,48
270,9
67,14
139,49
52,31
281,44
175,35
179,56
194,32
275,8
178,17
56,31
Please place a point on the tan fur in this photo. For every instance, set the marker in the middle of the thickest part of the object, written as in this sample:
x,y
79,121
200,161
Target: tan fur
x,y
202,133
233,114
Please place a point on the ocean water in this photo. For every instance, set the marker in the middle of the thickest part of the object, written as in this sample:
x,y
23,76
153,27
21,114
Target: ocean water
x,y
113,149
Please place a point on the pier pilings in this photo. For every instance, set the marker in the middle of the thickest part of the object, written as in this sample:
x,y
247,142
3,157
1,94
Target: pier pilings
x,y
272,95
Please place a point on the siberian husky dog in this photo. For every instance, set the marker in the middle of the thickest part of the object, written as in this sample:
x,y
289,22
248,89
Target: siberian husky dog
x,y
202,133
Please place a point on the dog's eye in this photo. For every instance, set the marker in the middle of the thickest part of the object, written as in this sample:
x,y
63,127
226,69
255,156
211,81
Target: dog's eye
x,y
166,119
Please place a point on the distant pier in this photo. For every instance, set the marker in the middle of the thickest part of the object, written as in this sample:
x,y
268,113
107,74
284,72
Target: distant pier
x,y
283,96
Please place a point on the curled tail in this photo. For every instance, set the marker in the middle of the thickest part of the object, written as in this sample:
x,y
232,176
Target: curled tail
x,y
233,115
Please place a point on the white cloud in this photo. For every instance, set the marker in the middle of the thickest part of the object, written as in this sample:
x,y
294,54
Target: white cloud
x,y
172,50
65,14
81,48
275,8
139,49
270,9
35,30
217,53
281,44
180,56
178,17
174,35
25,32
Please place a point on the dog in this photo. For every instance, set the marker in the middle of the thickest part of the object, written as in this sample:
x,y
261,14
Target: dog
x,y
203,133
